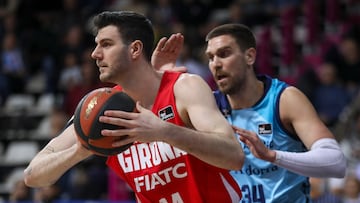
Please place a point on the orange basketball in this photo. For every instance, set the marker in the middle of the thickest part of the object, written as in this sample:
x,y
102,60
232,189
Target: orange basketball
x,y
86,119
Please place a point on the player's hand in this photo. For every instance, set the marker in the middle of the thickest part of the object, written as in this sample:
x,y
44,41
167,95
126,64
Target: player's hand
x,y
82,150
166,52
255,144
141,126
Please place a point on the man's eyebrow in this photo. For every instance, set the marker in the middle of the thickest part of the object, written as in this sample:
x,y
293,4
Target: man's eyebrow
x,y
224,48
219,49
103,40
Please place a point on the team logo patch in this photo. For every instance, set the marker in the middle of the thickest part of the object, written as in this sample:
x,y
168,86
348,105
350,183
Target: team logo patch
x,y
265,129
166,113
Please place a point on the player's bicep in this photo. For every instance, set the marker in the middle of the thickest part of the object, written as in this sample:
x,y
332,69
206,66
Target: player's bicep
x,y
297,110
199,105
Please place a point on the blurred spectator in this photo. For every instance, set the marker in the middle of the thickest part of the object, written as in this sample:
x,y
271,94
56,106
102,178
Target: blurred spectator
x,y
12,63
49,30
194,66
192,12
52,124
47,194
118,190
347,131
319,192
236,13
70,74
350,142
20,193
9,24
139,6
90,81
351,190
40,41
251,13
308,78
4,89
346,57
330,97
162,18
336,186
73,40
88,180
7,7
73,12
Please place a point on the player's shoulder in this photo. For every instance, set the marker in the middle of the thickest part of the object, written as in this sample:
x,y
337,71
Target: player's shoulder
x,y
293,99
191,87
189,79
292,92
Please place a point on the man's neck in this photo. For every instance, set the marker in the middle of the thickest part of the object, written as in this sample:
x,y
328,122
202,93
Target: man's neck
x,y
144,87
248,96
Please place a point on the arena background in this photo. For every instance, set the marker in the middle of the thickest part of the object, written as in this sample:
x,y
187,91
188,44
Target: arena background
x,y
45,69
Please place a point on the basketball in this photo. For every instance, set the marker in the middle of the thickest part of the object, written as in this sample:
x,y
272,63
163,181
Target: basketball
x,y
86,119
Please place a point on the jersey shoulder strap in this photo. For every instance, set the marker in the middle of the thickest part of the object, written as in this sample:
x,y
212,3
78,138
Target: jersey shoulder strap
x,y
222,103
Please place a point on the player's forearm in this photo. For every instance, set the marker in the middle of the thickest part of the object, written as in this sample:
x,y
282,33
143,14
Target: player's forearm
x,y
48,166
213,148
325,159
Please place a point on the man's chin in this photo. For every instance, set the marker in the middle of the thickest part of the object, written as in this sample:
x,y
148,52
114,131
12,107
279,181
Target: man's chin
x,y
104,78
223,88
221,85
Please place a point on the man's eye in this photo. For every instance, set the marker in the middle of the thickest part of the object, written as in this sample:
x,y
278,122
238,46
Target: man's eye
x,y
105,44
224,54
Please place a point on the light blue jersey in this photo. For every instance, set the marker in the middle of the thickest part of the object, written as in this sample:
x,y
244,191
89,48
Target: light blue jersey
x,y
261,181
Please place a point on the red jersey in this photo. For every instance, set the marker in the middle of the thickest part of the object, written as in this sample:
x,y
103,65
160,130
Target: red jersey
x,y
159,172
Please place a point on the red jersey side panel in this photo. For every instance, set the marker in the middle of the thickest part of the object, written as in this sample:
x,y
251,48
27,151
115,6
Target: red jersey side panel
x,y
159,172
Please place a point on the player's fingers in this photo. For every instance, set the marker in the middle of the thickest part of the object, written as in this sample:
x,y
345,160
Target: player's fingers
x,y
251,136
119,114
160,45
119,118
236,128
169,44
178,43
174,43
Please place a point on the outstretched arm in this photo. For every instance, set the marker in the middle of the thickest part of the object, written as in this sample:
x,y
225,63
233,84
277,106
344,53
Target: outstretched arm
x,y
324,157
166,52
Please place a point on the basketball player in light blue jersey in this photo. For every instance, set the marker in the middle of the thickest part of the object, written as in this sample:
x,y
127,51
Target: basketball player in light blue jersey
x,y
284,140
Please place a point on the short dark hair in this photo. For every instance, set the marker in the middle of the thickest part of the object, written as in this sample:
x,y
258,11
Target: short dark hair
x,y
131,25
241,33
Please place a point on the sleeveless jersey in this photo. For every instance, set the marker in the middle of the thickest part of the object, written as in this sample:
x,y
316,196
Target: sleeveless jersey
x,y
159,172
262,181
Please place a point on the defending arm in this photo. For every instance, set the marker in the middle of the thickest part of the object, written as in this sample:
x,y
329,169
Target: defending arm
x,y
325,159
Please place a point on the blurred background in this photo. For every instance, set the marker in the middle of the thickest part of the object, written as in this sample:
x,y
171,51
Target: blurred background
x,y
45,69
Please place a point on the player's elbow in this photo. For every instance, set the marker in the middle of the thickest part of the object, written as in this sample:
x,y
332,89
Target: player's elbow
x,y
28,179
31,180
238,161
241,161
233,160
339,171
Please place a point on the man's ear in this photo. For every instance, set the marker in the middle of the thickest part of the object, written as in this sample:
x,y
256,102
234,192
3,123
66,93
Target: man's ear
x,y
250,56
136,48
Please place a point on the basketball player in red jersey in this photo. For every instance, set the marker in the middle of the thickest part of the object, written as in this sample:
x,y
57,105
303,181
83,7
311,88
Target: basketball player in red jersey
x,y
183,147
